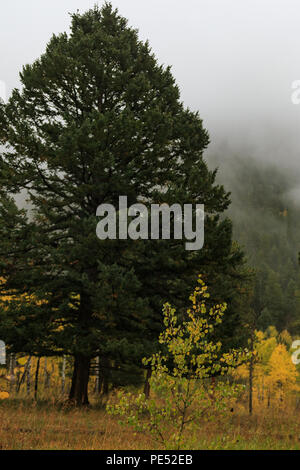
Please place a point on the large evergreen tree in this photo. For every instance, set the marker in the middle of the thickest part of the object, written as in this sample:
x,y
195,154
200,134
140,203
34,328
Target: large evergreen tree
x,y
97,117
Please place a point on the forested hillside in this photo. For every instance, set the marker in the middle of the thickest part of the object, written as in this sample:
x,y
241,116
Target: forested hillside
x,y
265,211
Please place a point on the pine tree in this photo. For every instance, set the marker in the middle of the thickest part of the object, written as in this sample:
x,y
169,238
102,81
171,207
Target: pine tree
x,y
97,117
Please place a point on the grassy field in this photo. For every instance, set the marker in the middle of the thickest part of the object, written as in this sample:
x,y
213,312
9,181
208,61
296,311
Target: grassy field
x,y
27,425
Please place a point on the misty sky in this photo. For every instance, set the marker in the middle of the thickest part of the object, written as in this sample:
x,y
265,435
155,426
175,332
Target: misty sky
x,y
234,61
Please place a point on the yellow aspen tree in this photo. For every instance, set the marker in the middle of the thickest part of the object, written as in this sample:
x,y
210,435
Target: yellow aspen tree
x,y
282,377
180,381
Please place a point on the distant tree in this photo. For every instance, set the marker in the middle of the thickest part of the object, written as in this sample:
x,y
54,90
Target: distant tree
x,y
266,222
282,377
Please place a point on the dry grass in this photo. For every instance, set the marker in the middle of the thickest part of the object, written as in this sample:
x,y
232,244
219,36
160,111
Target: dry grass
x,y
26,425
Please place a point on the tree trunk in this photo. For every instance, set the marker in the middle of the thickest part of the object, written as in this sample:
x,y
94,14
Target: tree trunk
x,y
74,375
46,375
18,376
147,384
105,385
81,373
105,375
251,369
63,375
80,380
12,365
36,382
24,375
98,382
28,382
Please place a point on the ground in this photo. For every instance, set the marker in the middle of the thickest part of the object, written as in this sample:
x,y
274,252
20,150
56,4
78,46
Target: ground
x,y
27,425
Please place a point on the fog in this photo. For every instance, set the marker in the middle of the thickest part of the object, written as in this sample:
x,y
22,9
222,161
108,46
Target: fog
x,y
234,62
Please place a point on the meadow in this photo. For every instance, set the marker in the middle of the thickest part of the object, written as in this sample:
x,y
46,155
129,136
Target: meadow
x,y
46,425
